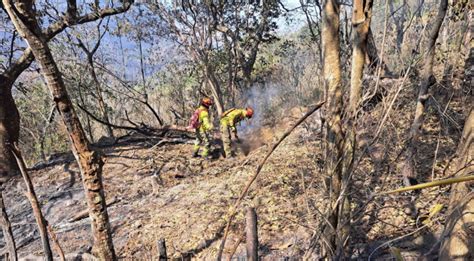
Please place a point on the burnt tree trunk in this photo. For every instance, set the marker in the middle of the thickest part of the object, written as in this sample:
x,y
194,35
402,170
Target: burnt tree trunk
x,y
90,162
427,79
362,14
251,233
162,256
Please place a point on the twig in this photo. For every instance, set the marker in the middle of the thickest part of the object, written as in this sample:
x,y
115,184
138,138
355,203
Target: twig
x,y
382,123
439,137
85,213
398,238
10,248
35,205
234,248
435,156
111,124
244,192
56,244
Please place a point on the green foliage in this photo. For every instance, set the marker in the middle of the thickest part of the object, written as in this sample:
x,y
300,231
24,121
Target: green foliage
x,y
39,137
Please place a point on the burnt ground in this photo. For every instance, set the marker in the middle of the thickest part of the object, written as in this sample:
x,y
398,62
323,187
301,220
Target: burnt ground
x,y
159,191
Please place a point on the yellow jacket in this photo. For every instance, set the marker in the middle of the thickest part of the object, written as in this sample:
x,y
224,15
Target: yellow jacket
x,y
204,122
232,117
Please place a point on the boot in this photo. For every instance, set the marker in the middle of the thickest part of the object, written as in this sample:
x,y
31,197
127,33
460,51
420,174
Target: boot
x,y
196,154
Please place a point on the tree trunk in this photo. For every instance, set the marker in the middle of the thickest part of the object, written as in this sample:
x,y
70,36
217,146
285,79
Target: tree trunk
x,y
251,233
162,256
373,59
427,79
9,129
333,248
458,237
215,89
362,14
89,161
399,22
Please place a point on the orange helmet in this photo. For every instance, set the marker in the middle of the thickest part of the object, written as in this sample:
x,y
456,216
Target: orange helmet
x,y
207,102
249,112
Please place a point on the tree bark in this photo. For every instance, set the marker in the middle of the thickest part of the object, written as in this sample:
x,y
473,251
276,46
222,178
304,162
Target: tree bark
x,y
90,162
458,237
7,232
373,59
162,256
399,22
336,233
9,129
427,79
215,89
362,14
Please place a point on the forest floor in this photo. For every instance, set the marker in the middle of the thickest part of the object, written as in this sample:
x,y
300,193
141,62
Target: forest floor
x,y
160,191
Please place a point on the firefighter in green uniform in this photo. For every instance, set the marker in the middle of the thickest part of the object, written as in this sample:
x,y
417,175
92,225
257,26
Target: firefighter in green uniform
x,y
228,121
203,126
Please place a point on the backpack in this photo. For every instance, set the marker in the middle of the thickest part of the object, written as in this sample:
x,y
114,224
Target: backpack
x,y
194,121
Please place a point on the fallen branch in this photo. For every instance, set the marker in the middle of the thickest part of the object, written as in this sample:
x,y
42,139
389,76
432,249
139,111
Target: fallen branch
x,y
31,195
233,211
85,213
169,141
166,130
97,119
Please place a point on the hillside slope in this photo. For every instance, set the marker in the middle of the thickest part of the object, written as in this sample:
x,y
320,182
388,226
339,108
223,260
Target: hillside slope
x,y
159,191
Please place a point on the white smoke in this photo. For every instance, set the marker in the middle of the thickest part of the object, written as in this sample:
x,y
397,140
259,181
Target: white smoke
x,y
262,98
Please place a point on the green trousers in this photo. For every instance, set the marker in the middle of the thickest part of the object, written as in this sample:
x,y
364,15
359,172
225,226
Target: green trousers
x,y
226,140
202,141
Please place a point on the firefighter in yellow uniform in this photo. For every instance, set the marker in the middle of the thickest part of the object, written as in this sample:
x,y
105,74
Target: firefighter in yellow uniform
x,y
228,121
203,128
